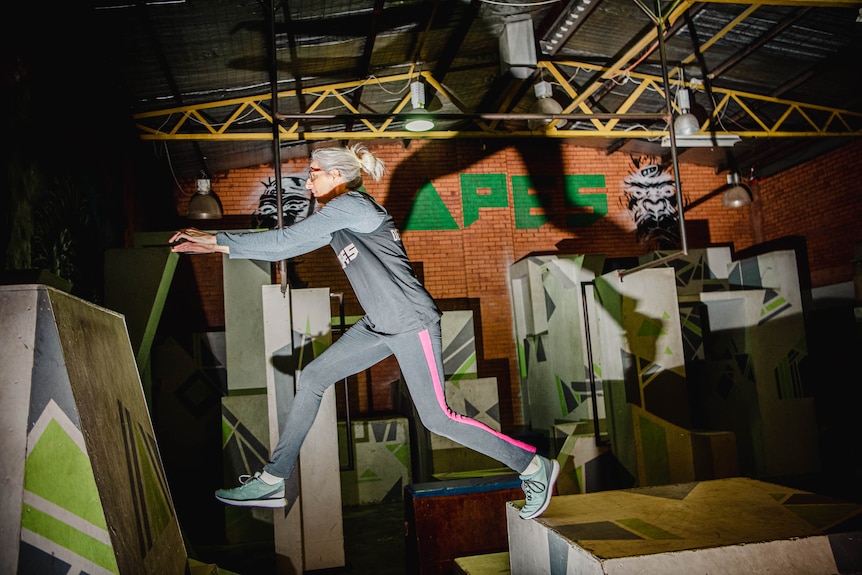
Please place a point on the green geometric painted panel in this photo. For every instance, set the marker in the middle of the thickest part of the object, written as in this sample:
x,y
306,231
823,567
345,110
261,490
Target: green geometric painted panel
x,y
691,318
459,344
62,519
381,461
661,392
244,453
653,437
573,394
95,498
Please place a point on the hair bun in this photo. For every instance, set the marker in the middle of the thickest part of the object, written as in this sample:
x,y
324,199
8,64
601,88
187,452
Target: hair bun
x,y
371,164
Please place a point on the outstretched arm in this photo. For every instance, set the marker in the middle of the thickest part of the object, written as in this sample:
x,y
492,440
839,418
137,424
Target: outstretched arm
x,y
350,210
346,211
195,241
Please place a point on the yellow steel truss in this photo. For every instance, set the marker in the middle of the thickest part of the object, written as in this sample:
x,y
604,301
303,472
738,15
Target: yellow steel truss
x,y
249,118
196,122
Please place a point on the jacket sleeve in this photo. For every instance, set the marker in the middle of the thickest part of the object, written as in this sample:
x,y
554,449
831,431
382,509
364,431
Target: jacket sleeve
x,y
346,211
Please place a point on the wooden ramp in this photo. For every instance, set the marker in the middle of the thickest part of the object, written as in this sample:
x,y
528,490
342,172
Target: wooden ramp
x,y
84,490
723,526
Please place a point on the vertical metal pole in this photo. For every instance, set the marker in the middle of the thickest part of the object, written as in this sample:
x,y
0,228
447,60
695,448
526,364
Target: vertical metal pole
x,y
658,19
590,363
276,141
347,422
660,23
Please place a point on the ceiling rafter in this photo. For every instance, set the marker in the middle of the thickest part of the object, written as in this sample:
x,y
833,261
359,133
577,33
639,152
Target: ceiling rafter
x,y
453,45
363,67
341,76
794,3
608,85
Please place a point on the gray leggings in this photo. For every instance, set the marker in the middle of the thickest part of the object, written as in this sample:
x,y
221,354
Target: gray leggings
x,y
419,355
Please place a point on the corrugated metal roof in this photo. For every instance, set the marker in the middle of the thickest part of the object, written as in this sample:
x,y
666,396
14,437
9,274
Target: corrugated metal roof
x,y
169,55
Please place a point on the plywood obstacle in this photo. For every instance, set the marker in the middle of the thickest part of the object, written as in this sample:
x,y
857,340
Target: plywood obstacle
x,y
721,526
84,489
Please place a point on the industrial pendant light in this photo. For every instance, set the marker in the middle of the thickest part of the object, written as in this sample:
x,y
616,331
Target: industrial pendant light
x,y
545,104
686,123
204,205
419,120
737,193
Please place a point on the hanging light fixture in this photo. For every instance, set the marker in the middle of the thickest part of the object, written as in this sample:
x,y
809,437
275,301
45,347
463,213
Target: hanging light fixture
x,y
686,123
544,104
420,120
204,205
737,194
686,127
702,140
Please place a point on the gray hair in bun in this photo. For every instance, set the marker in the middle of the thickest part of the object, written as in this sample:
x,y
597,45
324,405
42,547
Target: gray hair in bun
x,y
350,163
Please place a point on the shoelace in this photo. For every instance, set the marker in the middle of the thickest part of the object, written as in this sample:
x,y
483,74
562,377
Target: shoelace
x,y
532,487
243,479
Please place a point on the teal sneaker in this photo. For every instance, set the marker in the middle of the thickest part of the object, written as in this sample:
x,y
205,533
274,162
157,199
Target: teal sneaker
x,y
538,487
254,492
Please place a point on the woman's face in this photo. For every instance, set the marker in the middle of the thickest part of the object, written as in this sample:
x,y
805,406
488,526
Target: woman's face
x,y
321,182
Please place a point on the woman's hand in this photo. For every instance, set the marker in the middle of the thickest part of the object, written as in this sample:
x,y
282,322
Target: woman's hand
x,y
195,241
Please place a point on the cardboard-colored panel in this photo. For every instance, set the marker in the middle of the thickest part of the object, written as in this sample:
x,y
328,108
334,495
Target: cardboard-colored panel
x,y
734,525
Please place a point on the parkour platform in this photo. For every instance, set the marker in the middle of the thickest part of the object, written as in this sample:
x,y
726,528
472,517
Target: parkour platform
x,y
723,526
84,489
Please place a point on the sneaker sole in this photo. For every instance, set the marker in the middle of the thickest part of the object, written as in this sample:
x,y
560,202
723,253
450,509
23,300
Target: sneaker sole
x,y
276,502
555,471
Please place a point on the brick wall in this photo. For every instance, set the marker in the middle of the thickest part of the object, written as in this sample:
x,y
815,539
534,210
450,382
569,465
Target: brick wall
x,y
818,199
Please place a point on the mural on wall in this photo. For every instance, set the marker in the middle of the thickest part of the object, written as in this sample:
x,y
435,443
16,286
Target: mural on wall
x,y
296,203
651,197
529,194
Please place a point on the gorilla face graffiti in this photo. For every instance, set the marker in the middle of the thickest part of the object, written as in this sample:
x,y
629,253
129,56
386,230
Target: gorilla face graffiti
x,y
295,203
651,196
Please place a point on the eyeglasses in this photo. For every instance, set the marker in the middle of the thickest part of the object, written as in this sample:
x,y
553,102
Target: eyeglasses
x,y
312,173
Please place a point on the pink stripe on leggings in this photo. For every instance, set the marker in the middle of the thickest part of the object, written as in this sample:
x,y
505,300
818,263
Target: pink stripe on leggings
x,y
441,397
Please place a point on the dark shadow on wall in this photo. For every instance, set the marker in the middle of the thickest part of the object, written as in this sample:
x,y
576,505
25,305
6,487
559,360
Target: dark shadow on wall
x,y
543,160
647,194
